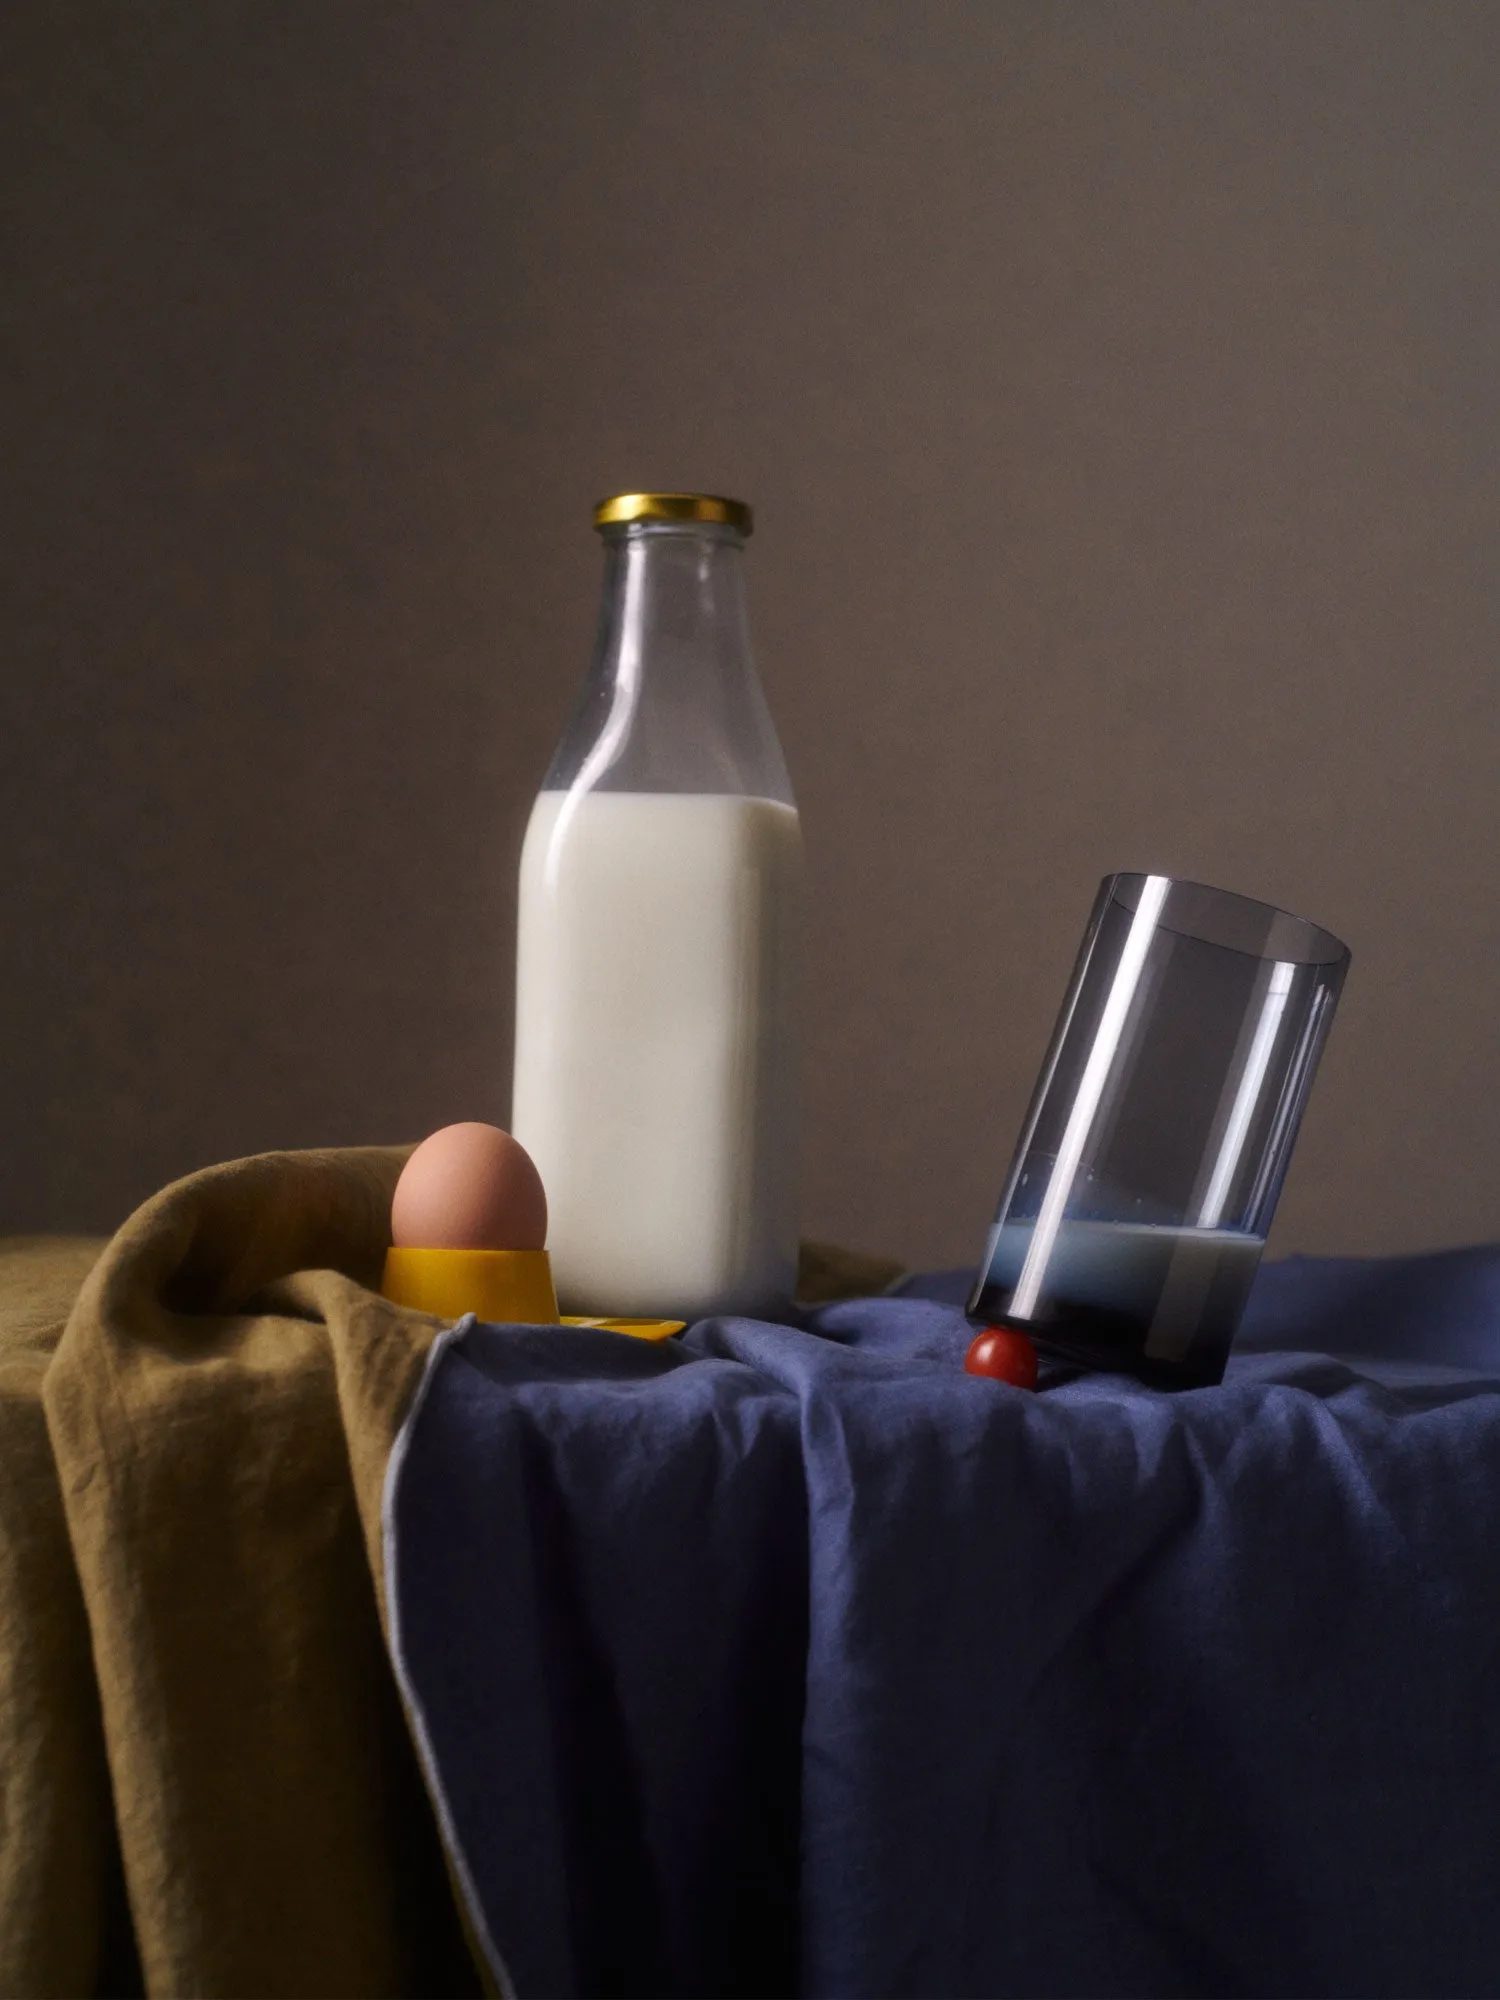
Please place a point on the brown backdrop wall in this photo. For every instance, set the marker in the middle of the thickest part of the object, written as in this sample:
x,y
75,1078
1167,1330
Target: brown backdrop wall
x,y
1116,387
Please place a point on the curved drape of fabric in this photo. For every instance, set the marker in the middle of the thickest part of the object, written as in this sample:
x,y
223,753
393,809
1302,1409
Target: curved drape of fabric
x,y
207,1781
203,1755
832,1669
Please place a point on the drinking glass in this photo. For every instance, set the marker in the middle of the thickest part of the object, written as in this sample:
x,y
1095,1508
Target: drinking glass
x,y
1159,1134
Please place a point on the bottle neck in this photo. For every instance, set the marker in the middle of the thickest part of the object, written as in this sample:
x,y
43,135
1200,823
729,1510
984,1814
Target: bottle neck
x,y
674,605
673,702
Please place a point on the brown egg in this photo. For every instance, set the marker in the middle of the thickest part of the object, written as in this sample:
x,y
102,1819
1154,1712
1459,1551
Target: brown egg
x,y
469,1187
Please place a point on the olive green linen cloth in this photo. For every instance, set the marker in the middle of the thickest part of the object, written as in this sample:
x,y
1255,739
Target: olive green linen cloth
x,y
191,1653
207,1786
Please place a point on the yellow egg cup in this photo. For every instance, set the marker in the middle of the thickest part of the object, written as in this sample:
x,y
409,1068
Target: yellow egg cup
x,y
512,1286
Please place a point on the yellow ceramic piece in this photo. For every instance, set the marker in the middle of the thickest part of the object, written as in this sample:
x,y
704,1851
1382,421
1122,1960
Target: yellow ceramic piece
x,y
511,1286
638,1329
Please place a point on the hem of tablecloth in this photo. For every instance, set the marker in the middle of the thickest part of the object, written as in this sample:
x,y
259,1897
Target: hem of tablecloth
x,y
473,1911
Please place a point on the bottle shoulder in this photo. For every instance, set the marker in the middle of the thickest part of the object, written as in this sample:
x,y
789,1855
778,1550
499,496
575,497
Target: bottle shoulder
x,y
672,702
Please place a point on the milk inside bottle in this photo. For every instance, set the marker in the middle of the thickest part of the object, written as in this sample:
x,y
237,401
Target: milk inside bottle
x,y
657,949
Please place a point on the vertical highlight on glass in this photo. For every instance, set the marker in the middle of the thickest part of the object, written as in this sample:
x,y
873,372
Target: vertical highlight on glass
x,y
1152,1156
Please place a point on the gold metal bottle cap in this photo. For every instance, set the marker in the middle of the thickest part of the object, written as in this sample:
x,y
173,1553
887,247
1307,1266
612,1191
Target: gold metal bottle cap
x,y
674,507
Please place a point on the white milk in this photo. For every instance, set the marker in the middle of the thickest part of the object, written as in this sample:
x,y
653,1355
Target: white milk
x,y
654,1080
1177,1283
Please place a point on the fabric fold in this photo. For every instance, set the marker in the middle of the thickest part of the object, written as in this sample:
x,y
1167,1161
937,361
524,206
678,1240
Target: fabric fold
x,y
207,1777
909,1682
219,1410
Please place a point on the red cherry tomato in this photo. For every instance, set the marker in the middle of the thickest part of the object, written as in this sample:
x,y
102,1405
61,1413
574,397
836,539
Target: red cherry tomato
x,y
1004,1355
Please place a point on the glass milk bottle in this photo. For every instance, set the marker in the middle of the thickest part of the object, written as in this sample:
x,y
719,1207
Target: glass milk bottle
x,y
658,942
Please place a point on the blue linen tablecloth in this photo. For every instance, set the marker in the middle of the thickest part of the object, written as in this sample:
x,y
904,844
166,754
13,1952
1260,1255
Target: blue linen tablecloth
x,y
792,1659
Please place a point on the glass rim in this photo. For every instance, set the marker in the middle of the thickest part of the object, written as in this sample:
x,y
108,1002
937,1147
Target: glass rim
x,y
1283,934
725,533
